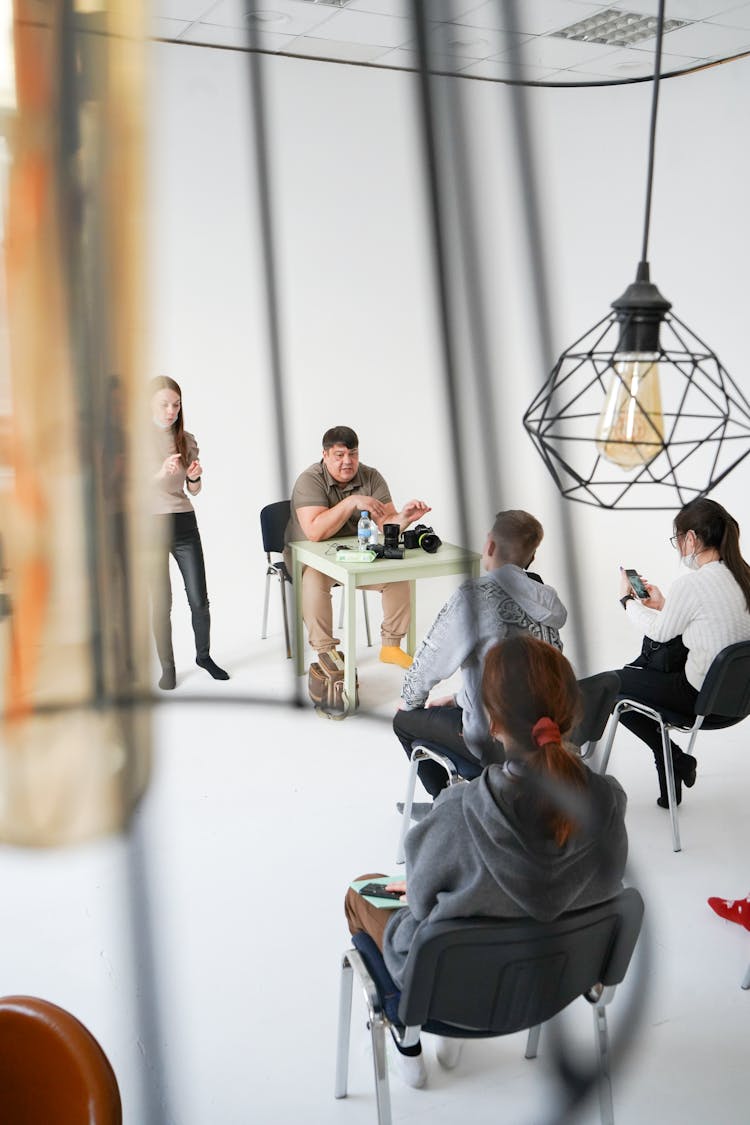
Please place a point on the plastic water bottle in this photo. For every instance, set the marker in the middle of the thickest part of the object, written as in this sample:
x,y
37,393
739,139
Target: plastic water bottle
x,y
373,533
363,531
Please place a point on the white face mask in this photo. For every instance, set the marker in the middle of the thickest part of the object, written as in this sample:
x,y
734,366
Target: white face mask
x,y
690,561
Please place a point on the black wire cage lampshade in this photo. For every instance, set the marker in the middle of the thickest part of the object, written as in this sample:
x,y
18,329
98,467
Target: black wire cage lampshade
x,y
639,412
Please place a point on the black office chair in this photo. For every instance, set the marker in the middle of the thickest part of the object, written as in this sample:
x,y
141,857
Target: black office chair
x,y
273,522
723,701
599,694
478,978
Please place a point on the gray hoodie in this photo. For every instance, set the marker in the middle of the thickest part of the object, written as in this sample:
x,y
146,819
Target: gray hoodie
x,y
477,855
482,612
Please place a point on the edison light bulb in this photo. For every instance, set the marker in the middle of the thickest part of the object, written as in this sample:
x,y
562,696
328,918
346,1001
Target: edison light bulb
x,y
630,431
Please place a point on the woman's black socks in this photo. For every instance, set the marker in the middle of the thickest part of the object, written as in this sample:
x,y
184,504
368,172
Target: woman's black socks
x,y
212,668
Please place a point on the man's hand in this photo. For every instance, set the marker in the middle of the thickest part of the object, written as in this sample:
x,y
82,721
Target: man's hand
x,y
374,508
411,511
401,887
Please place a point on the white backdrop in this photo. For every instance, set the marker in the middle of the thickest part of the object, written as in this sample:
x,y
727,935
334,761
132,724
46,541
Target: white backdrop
x,y
357,300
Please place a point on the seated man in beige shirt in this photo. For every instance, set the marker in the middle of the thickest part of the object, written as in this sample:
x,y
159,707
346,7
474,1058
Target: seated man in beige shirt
x,y
327,500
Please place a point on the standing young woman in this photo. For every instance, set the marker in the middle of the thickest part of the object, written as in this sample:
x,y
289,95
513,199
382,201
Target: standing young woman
x,y
533,838
709,607
177,469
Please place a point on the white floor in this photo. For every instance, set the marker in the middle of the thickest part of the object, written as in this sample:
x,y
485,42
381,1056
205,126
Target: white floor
x,y
204,950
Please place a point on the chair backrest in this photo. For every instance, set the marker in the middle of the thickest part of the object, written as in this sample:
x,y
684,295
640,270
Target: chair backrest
x,y
599,694
273,521
726,688
498,977
52,1069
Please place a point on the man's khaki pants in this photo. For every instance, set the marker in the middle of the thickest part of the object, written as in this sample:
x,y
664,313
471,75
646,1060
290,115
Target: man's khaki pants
x,y
317,610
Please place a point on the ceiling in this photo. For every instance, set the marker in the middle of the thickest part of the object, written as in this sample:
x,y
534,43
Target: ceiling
x,y
474,43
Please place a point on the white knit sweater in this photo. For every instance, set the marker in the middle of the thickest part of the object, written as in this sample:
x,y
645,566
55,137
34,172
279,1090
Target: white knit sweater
x,y
707,607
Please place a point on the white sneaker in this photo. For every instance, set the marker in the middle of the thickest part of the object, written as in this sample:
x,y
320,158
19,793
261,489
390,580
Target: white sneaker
x,y
411,1068
448,1051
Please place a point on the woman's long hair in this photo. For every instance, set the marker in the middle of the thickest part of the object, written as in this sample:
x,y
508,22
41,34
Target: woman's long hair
x,y
716,528
526,680
164,383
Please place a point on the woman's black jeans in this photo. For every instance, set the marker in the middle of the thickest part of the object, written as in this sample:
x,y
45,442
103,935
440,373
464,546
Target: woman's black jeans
x,y
178,535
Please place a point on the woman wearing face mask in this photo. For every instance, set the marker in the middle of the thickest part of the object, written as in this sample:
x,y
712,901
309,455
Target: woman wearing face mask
x,y
177,475
709,607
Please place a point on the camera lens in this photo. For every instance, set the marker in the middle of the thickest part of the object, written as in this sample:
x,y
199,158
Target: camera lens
x,y
429,541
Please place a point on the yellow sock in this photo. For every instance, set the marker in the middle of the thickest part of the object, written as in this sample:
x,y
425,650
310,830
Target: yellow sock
x,y
392,654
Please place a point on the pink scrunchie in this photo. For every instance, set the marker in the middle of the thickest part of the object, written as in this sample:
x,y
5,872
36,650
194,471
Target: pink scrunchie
x,y
545,730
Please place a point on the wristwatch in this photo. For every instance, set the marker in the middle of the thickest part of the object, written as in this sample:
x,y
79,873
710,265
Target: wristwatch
x,y
624,600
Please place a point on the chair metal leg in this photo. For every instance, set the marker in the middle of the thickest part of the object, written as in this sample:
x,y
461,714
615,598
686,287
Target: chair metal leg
x,y
367,619
746,979
344,1032
408,802
671,795
613,723
532,1043
285,612
606,1106
380,1063
264,629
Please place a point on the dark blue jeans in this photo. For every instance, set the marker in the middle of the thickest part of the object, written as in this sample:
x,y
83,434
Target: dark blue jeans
x,y
442,728
178,535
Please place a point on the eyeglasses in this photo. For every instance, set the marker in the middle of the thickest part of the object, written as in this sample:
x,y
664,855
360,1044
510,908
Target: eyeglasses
x,y
673,539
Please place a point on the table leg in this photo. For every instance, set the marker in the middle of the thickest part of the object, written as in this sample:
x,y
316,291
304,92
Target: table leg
x,y
350,645
299,634
411,636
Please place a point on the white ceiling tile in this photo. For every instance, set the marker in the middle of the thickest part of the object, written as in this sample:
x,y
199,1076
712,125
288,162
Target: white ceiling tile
x,y
403,8
289,17
552,53
362,27
629,62
166,29
493,68
535,17
737,17
675,9
448,64
182,9
474,42
331,49
216,36
707,40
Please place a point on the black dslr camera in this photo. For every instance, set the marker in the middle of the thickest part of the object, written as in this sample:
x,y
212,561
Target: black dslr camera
x,y
424,537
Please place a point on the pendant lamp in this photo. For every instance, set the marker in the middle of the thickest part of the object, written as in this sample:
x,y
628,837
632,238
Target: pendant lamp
x,y
639,413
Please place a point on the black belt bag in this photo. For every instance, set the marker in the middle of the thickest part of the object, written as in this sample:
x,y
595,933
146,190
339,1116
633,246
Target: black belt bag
x,y
662,656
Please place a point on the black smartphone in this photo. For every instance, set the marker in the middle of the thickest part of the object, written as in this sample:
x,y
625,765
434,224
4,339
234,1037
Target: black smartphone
x,y
377,890
636,583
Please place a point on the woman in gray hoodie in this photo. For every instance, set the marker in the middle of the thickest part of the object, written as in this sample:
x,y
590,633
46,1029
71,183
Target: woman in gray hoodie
x,y
535,837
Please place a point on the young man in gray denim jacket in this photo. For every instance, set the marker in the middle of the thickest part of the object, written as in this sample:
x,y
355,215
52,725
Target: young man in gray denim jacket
x,y
483,611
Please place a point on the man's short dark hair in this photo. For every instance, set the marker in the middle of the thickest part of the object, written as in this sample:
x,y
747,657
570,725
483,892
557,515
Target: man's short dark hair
x,y
340,435
517,534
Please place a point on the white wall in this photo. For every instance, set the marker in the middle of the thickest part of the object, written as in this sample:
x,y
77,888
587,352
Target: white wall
x,y
359,322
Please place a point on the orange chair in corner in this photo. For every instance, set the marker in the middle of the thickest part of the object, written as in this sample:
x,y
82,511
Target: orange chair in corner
x,y
52,1069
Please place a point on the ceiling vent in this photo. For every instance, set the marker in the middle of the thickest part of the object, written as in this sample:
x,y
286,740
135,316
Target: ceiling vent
x,y
614,28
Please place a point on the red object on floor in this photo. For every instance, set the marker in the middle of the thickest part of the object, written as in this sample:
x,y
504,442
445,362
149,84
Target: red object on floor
x,y
734,910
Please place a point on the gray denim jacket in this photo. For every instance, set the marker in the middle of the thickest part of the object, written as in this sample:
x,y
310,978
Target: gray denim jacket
x,y
482,612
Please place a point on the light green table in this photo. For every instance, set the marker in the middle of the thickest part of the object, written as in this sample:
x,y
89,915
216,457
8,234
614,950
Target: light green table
x,y
449,559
